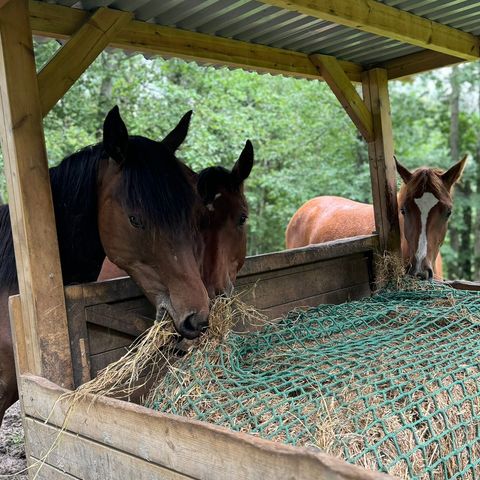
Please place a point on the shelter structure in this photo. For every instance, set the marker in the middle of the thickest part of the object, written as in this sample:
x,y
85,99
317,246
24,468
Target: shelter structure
x,y
343,42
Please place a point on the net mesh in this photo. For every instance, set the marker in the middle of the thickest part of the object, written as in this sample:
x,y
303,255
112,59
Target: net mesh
x,y
390,383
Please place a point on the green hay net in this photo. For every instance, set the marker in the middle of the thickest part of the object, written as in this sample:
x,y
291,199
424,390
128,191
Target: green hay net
x,y
390,383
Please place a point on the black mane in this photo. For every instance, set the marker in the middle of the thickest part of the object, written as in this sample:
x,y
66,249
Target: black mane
x,y
155,185
156,188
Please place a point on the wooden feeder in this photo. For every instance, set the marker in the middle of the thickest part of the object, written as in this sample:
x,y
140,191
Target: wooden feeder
x,y
64,336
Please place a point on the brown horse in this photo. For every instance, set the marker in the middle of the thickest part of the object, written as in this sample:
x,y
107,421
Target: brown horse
x,y
131,199
425,205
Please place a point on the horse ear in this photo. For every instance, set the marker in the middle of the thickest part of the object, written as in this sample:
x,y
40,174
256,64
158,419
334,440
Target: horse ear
x,y
453,174
243,166
403,171
177,136
115,136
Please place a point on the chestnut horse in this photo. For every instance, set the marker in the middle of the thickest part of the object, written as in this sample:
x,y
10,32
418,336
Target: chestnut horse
x,y
131,199
425,205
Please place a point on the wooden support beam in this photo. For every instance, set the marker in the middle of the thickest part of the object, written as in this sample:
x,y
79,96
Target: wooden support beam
x,y
62,22
63,70
416,63
337,80
376,17
382,163
34,233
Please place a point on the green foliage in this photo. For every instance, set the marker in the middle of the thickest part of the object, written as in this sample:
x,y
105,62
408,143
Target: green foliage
x,y
305,145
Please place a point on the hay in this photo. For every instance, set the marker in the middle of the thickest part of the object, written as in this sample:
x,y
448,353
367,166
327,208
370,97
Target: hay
x,y
391,383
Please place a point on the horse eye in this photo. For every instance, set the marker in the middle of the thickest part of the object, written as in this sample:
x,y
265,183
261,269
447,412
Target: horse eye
x,y
242,219
449,212
135,222
403,211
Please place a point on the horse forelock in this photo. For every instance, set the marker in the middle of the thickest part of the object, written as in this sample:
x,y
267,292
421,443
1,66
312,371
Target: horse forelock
x,y
157,186
425,180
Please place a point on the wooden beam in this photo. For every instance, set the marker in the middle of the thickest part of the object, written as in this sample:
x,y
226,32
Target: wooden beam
x,y
31,209
61,22
416,63
3,2
375,17
337,80
63,70
382,163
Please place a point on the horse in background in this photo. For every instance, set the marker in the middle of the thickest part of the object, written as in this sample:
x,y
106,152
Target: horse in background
x,y
425,205
131,199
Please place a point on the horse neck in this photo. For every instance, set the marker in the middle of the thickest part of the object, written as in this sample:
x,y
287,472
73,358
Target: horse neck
x,y
74,190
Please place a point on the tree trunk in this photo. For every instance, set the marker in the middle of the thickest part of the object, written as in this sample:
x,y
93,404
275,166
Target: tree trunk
x,y
476,231
454,267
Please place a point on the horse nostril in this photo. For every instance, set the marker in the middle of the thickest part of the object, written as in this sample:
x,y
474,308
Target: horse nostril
x,y
429,274
193,325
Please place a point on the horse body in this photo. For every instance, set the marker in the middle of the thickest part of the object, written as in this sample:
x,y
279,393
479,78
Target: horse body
x,y
128,198
425,204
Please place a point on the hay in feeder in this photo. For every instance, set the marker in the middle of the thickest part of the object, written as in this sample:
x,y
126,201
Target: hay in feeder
x,y
390,383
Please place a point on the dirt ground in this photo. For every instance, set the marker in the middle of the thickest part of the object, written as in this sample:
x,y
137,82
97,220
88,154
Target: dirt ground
x,y
12,449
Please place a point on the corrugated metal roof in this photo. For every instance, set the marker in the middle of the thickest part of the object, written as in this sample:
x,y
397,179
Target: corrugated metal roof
x,y
255,22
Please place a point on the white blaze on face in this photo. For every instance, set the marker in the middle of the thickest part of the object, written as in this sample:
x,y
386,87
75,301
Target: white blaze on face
x,y
425,203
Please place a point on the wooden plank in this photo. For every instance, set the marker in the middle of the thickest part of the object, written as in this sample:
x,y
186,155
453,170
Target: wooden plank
x,y
462,285
102,340
339,83
382,164
3,2
18,334
374,17
43,471
354,292
417,63
77,328
120,319
193,448
61,22
304,281
89,460
31,209
66,66
313,253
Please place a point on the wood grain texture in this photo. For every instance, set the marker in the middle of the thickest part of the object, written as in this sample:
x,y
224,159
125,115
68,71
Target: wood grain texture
x,y
90,460
31,208
382,163
193,448
71,60
375,17
417,63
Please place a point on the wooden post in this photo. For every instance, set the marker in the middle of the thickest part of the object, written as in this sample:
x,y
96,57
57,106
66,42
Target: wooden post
x,y
61,72
34,232
382,163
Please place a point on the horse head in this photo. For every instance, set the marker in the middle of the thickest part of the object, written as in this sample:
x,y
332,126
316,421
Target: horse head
x,y
425,203
148,213
224,231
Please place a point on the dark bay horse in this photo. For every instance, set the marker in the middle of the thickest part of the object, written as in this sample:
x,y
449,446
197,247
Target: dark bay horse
x,y
425,204
131,199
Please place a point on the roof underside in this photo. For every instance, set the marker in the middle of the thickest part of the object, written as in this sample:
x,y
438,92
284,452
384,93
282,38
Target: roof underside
x,y
259,23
